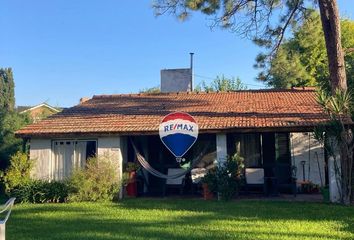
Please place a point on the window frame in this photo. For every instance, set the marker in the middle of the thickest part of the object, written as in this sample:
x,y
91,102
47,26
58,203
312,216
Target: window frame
x,y
65,140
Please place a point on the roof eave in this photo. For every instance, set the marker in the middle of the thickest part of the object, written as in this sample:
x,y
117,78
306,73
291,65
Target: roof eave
x,y
307,128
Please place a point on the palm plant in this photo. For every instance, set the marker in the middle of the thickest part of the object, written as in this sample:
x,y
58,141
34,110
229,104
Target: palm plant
x,y
337,136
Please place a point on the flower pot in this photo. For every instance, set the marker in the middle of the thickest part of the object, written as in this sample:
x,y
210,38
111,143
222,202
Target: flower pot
x,y
206,192
131,187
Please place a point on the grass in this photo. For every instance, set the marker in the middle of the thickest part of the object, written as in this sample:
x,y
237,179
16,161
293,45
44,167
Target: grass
x,y
181,219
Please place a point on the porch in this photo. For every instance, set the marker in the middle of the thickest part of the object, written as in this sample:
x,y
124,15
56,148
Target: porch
x,y
276,163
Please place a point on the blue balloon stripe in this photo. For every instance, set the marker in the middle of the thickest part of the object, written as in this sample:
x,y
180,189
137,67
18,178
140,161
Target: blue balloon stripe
x,y
178,143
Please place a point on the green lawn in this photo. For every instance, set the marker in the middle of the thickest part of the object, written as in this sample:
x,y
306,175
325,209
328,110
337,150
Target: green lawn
x,y
181,219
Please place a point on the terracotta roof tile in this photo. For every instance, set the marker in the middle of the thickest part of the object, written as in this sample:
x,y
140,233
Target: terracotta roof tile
x,y
142,113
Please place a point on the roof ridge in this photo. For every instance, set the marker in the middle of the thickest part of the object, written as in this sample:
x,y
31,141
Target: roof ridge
x,y
295,89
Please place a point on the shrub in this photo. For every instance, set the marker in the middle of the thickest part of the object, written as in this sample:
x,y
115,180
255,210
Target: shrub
x,y
125,179
40,191
225,180
98,182
19,171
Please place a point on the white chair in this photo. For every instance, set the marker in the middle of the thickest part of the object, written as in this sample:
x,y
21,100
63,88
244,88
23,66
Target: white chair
x,y
175,182
6,208
254,178
197,174
254,175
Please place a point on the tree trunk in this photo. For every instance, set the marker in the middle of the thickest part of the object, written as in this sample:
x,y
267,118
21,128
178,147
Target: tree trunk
x,y
338,81
331,29
352,180
346,166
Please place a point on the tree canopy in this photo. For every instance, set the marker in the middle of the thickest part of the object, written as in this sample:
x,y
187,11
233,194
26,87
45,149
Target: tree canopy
x,y
9,144
222,83
10,120
151,90
267,22
7,89
302,59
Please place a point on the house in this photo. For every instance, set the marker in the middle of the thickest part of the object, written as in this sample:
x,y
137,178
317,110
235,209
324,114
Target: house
x,y
39,111
272,130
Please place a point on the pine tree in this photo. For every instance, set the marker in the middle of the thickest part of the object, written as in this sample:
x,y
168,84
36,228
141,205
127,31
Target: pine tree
x,y
302,58
7,90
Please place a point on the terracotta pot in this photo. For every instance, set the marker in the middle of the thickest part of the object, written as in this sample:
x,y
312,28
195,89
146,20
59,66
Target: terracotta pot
x,y
132,176
206,192
131,188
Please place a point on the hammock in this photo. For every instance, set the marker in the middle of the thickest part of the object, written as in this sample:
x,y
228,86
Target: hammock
x,y
156,173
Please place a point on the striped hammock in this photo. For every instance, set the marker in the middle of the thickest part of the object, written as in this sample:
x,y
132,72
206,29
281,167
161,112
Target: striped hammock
x,y
158,174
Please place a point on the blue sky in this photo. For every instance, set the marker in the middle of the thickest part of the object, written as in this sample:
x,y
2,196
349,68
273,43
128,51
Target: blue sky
x,y
62,50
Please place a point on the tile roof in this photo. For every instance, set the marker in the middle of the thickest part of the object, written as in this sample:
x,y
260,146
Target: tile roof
x,y
142,113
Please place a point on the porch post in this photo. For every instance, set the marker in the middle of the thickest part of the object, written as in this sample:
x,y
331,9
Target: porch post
x,y
2,231
333,179
123,161
221,148
146,155
334,172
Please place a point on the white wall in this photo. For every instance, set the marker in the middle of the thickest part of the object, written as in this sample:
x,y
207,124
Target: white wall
x,y
176,80
41,153
304,147
116,149
112,147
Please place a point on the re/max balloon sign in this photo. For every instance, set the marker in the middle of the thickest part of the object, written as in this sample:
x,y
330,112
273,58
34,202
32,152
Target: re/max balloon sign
x,y
178,132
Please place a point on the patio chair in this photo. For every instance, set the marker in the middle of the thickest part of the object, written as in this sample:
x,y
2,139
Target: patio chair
x,y
6,209
286,178
197,175
177,183
254,178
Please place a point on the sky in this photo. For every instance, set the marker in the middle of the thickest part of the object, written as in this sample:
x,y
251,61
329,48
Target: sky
x,y
62,50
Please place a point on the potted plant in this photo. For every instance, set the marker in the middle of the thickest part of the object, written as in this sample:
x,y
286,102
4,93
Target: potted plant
x,y
131,186
305,186
325,193
225,180
315,188
209,184
236,170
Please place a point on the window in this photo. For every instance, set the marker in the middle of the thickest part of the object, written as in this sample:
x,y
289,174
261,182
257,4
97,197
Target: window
x,y
70,154
249,147
282,148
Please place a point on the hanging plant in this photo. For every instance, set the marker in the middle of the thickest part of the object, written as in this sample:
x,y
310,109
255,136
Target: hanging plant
x,y
131,167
